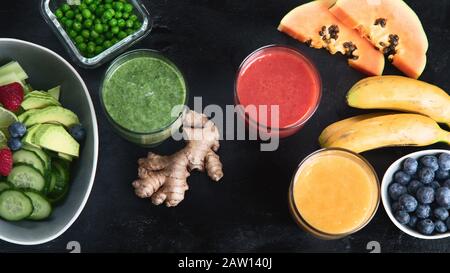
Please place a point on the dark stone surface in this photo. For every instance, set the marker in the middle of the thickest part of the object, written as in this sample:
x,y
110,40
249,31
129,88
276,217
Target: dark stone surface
x,y
247,211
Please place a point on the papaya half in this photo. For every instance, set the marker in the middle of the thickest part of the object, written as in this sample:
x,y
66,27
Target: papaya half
x,y
392,27
312,23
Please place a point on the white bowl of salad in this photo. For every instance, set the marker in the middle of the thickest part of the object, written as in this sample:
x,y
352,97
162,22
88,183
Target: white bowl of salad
x,y
48,143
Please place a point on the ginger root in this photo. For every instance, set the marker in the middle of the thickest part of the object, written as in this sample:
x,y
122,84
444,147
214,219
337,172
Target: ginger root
x,y
164,178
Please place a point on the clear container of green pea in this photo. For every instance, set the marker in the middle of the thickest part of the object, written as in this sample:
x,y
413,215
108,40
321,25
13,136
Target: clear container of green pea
x,y
96,31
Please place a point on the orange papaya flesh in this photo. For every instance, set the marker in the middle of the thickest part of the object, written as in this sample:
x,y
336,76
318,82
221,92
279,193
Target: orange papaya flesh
x,y
315,25
392,27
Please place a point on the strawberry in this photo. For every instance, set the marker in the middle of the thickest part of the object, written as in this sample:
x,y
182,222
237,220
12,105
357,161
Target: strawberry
x,y
6,161
11,96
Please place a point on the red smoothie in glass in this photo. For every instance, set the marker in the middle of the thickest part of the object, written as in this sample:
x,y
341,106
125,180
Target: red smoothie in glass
x,y
278,75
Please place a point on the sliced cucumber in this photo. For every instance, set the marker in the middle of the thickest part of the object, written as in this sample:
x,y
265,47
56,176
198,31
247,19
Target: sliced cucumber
x,y
30,158
4,186
26,177
60,176
14,205
41,207
39,152
14,67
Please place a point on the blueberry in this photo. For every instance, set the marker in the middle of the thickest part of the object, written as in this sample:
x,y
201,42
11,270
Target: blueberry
x,y
426,175
425,195
395,190
447,223
410,166
402,217
435,185
17,129
78,132
443,197
402,178
442,174
412,221
444,161
430,161
446,183
440,213
14,143
440,226
395,206
423,211
407,202
425,226
414,186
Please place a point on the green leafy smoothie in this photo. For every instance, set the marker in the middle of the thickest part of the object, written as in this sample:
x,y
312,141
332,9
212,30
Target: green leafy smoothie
x,y
140,92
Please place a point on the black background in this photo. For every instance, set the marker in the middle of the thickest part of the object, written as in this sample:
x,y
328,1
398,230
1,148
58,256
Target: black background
x,y
247,211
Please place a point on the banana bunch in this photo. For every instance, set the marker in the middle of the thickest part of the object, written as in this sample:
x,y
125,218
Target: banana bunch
x,y
426,103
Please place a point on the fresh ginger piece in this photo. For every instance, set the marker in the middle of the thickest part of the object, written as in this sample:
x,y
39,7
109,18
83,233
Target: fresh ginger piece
x,y
164,178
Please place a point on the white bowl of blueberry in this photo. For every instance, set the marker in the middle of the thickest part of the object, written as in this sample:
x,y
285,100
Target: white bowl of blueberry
x,y
415,192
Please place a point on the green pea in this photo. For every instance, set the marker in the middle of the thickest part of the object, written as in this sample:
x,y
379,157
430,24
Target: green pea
x,y
108,6
85,33
94,34
109,35
118,15
82,6
72,34
69,23
88,23
79,39
90,48
125,15
98,28
137,25
129,31
59,13
99,11
133,17
128,7
78,17
98,49
113,22
91,43
93,7
107,44
77,26
99,40
86,13
115,30
70,14
65,7
112,11
82,47
87,2
63,21
105,28
114,40
122,34
129,23
107,15
108,1
118,6
121,23
97,21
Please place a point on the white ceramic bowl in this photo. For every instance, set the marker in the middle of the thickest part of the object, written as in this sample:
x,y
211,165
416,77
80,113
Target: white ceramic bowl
x,y
387,180
46,69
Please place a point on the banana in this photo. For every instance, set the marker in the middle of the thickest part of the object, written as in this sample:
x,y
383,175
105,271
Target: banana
x,y
403,94
388,130
333,129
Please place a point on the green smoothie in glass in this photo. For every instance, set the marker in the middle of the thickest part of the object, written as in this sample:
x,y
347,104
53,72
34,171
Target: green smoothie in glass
x,y
138,93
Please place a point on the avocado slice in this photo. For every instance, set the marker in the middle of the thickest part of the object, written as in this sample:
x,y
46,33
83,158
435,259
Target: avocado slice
x,y
35,100
65,157
55,92
22,117
56,138
53,114
28,138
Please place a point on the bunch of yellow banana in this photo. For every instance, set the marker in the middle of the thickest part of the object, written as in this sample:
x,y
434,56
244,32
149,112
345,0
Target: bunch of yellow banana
x,y
427,103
